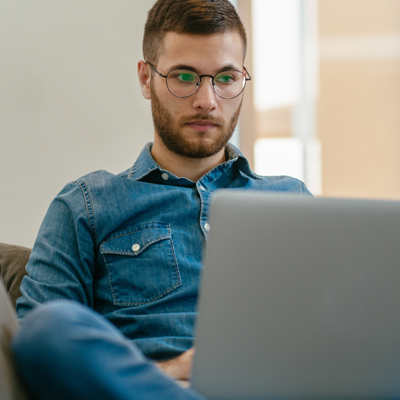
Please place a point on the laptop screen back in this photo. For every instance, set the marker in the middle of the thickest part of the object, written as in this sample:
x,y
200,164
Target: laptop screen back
x,y
299,299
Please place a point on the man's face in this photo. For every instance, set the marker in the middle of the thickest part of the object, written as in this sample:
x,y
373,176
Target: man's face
x,y
198,126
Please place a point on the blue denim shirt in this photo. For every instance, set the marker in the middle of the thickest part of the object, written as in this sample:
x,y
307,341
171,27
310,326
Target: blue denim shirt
x,y
130,247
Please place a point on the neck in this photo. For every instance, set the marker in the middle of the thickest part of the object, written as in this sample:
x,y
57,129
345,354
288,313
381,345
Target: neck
x,y
184,167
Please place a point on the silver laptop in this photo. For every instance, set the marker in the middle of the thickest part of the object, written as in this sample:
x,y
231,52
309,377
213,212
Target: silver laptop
x,y
300,299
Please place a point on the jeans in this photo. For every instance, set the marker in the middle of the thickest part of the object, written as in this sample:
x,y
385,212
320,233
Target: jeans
x,y
65,350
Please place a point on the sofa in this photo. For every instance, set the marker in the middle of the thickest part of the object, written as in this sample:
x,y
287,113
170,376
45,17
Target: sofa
x,y
12,270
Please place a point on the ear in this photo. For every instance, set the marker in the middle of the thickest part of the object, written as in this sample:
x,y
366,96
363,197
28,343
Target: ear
x,y
144,74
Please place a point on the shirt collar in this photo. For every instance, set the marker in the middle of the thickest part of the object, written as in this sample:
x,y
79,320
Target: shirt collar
x,y
145,163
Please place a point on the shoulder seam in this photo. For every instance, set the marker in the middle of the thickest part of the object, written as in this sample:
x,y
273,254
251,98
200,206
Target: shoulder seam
x,y
89,209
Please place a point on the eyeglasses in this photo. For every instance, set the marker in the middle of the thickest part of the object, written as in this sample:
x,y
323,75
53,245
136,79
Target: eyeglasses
x,y
185,82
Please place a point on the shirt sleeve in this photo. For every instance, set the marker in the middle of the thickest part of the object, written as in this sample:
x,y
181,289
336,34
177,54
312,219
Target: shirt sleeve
x,y
62,263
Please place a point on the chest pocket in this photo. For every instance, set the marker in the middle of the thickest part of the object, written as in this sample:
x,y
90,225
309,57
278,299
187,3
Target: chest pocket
x,y
141,264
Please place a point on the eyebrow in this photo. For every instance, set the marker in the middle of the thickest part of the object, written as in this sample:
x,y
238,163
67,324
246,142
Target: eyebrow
x,y
227,67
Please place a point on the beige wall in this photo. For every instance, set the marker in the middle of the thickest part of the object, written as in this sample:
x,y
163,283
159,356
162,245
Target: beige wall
x,y
69,100
359,103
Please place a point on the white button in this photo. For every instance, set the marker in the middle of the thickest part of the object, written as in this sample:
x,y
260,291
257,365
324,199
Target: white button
x,y
164,176
136,247
207,226
202,188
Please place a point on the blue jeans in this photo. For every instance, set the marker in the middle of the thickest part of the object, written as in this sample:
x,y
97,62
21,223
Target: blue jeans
x,y
65,350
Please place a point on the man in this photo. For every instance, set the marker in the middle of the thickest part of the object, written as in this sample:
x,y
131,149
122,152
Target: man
x,y
129,246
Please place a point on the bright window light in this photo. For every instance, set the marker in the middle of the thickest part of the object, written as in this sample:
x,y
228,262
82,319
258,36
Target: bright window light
x,y
276,30
279,157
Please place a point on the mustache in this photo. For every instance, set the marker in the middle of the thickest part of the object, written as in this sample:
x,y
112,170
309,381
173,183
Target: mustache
x,y
190,118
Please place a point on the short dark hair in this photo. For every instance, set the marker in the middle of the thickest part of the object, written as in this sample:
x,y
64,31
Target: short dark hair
x,y
196,17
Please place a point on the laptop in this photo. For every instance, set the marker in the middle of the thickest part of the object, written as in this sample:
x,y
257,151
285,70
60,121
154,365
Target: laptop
x,y
300,299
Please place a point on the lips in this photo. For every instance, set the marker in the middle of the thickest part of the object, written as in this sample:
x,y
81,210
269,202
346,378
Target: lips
x,y
202,125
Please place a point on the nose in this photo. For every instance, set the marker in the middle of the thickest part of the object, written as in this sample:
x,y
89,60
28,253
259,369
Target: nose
x,y
205,98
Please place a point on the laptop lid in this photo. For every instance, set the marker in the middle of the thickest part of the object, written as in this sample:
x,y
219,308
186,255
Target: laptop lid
x,y
299,299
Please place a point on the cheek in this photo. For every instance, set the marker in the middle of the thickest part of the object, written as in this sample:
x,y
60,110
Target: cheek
x,y
229,108
168,101
177,107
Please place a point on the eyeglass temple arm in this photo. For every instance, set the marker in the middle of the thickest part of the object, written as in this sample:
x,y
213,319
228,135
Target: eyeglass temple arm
x,y
163,76
247,72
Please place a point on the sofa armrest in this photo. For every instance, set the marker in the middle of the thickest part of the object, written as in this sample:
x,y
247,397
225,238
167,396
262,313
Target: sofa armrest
x,y
13,260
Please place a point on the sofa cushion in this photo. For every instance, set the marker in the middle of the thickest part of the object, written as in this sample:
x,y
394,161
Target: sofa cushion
x,y
13,260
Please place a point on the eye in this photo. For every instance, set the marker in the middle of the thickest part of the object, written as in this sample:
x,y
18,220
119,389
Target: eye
x,y
224,78
186,77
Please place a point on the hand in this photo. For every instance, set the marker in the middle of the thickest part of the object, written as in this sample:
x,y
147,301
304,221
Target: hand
x,y
179,367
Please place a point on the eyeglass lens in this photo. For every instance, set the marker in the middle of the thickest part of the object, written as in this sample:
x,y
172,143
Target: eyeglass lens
x,y
227,84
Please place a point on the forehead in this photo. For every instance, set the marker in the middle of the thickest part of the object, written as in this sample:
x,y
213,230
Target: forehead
x,y
202,52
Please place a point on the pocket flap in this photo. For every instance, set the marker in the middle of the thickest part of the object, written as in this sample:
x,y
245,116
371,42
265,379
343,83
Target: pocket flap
x,y
135,240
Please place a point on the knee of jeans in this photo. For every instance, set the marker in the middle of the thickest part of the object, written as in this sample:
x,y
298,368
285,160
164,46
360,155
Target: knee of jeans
x,y
47,329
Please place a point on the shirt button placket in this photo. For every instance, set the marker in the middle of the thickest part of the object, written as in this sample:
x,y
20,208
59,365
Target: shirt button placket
x,y
203,194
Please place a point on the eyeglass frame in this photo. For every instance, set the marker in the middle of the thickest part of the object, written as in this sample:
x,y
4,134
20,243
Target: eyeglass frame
x,y
201,76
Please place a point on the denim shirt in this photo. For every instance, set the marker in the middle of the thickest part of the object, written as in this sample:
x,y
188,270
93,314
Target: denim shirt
x,y
130,246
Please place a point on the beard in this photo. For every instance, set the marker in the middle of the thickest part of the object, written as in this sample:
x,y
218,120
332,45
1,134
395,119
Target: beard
x,y
170,131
